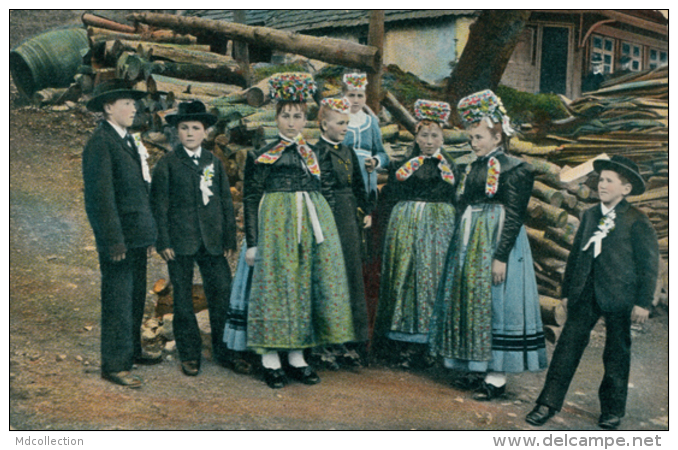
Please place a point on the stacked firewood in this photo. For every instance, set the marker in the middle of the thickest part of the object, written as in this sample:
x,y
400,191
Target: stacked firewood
x,y
628,117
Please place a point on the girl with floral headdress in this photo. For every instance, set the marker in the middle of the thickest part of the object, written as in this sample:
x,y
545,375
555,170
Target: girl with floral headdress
x,y
419,230
364,138
299,294
345,192
487,319
364,134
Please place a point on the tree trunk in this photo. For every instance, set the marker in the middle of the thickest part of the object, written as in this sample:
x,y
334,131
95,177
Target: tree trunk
x,y
491,41
334,51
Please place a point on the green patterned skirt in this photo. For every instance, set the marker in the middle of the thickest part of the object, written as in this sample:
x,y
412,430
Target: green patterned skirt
x,y
415,247
299,296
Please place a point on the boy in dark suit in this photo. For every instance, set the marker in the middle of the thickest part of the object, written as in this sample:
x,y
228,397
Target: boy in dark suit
x,y
611,272
192,205
116,181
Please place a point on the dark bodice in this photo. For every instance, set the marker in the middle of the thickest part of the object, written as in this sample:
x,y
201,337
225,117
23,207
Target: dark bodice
x,y
341,174
288,174
513,192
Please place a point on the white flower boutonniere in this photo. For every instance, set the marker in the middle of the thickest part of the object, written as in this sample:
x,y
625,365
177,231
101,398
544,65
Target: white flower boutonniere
x,y
206,183
605,225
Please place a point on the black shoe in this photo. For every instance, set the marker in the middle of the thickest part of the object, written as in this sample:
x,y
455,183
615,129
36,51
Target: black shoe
x,y
540,415
488,392
190,368
609,421
123,378
274,378
304,374
146,360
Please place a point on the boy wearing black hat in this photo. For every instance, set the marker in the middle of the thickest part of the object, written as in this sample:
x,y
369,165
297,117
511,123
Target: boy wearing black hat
x,y
611,272
117,181
191,202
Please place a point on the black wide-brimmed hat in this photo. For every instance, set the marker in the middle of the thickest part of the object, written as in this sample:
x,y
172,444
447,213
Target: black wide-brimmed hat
x,y
626,168
109,91
193,110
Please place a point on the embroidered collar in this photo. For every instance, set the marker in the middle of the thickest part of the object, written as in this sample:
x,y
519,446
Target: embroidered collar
x,y
493,172
307,155
411,166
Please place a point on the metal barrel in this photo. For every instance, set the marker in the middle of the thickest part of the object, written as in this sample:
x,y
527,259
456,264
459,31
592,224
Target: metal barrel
x,y
50,59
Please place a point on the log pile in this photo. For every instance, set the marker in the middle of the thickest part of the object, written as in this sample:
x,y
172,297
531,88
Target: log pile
x,y
628,117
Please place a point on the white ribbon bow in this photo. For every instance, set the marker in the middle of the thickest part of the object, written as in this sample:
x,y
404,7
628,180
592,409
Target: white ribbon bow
x,y
605,225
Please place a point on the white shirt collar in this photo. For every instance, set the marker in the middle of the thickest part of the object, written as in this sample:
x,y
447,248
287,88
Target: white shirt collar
x,y
120,130
192,153
330,142
605,210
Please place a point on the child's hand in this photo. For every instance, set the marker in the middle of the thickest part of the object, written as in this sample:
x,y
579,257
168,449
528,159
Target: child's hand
x,y
367,222
639,315
370,164
250,255
167,254
117,257
498,271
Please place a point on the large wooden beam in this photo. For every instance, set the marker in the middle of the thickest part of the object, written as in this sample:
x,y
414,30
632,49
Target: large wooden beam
x,y
375,38
335,51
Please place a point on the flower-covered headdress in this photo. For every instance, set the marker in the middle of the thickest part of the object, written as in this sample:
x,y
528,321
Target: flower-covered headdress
x,y
340,105
430,110
480,105
292,87
355,81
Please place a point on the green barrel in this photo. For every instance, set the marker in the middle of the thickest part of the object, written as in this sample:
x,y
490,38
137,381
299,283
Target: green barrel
x,y
50,59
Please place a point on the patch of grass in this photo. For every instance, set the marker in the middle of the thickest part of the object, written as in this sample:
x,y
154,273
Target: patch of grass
x,y
524,107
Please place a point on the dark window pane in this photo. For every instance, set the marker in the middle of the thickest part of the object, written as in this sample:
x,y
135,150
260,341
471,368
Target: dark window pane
x,y
664,56
608,45
636,51
626,49
597,42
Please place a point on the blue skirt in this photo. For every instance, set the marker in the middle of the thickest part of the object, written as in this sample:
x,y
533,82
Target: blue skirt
x,y
515,342
235,333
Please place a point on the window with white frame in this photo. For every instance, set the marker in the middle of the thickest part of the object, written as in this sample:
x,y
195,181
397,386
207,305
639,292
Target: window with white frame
x,y
603,47
635,53
657,58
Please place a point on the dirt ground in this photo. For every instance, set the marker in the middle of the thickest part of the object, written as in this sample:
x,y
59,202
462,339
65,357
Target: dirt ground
x,y
54,376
